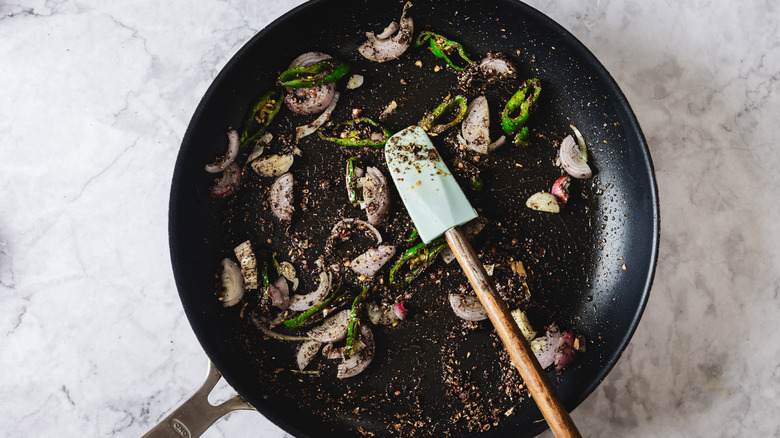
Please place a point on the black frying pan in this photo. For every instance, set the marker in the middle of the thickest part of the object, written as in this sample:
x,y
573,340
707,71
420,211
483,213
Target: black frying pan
x,y
591,270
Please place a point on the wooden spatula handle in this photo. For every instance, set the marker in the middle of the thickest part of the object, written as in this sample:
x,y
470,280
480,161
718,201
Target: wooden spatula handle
x,y
538,385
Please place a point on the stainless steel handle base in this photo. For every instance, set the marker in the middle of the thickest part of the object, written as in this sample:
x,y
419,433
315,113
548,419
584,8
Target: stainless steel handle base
x,y
196,415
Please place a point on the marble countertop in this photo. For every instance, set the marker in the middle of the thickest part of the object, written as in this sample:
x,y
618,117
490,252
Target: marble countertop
x,y
94,100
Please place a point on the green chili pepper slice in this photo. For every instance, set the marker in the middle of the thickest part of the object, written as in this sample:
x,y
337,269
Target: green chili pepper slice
x,y
521,136
351,181
301,319
427,122
412,237
521,104
357,132
442,48
323,72
260,116
264,277
418,258
353,322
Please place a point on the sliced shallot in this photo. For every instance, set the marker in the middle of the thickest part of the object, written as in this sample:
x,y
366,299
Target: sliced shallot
x,y
287,270
543,201
564,352
376,196
332,329
389,31
554,348
261,325
475,129
299,303
331,352
355,81
543,350
468,307
307,101
273,165
561,189
260,146
225,186
281,198
371,261
224,161
311,128
399,310
306,353
388,110
232,283
310,100
497,65
524,324
246,257
309,58
384,47
334,232
359,361
571,159
381,315
280,293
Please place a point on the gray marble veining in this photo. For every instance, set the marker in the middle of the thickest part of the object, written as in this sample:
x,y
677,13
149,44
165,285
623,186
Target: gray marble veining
x,y
95,97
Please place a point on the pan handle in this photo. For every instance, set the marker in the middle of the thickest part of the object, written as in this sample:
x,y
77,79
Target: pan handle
x,y
519,350
196,415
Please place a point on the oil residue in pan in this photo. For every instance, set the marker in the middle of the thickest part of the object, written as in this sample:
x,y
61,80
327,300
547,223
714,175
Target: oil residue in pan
x,y
433,374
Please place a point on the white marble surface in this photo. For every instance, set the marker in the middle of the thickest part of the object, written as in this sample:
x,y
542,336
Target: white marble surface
x,y
94,100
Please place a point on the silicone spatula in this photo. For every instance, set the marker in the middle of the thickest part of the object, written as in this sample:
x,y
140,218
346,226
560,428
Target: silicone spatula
x,y
438,206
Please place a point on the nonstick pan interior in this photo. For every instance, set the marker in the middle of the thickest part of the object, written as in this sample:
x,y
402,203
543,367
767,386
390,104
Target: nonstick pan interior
x,y
591,273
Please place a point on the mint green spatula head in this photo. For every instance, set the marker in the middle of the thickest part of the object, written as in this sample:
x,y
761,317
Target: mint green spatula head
x,y
431,195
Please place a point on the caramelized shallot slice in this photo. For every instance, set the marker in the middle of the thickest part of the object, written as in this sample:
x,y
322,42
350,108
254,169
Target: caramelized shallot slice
x,y
564,352
281,198
346,223
381,315
272,165
371,261
543,201
355,81
299,303
554,348
475,129
279,293
467,307
332,329
359,361
497,65
314,99
225,186
376,196
246,257
307,101
306,353
331,352
572,160
524,324
224,161
561,189
311,128
384,47
399,310
232,283
260,146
